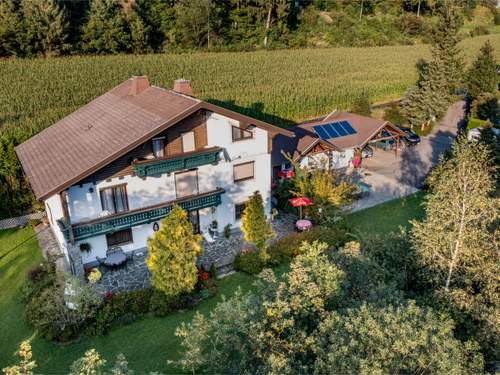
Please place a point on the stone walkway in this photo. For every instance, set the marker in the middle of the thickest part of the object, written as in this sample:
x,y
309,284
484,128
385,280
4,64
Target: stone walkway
x,y
222,252
135,275
50,247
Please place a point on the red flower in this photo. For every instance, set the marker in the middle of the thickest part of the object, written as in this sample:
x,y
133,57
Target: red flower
x,y
202,275
108,296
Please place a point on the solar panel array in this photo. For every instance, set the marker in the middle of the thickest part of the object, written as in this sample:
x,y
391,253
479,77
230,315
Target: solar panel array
x,y
334,130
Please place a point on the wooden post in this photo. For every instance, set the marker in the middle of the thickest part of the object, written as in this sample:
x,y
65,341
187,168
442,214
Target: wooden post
x,y
64,203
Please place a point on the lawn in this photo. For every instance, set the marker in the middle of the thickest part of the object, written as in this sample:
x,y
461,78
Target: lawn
x,y
389,216
150,342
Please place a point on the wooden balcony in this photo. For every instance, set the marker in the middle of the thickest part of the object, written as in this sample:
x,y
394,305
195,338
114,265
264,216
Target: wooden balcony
x,y
124,220
188,160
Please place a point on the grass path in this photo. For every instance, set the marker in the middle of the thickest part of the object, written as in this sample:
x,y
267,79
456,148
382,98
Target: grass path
x,y
150,342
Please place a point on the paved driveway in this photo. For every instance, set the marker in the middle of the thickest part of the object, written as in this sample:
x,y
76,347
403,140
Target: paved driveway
x,y
394,176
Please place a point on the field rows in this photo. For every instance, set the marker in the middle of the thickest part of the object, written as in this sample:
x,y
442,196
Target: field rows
x,y
277,86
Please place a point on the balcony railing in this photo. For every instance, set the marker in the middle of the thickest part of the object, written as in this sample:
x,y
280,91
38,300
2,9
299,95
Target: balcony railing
x,y
155,167
116,222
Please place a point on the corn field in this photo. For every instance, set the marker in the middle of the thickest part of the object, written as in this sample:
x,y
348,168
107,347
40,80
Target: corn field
x,y
280,87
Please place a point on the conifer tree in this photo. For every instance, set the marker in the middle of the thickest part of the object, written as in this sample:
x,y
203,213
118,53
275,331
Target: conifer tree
x,y
362,104
9,28
105,30
172,253
45,27
482,76
256,229
446,54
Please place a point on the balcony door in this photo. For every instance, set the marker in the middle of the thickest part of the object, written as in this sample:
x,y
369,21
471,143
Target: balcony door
x,y
186,183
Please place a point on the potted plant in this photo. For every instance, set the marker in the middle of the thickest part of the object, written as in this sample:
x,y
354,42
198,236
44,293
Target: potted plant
x,y
85,247
227,231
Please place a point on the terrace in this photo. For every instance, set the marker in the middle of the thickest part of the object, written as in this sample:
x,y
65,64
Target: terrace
x,y
144,215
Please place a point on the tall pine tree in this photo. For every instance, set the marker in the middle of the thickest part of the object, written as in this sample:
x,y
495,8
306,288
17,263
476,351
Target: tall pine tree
x,y
10,26
106,29
172,253
482,76
45,27
440,77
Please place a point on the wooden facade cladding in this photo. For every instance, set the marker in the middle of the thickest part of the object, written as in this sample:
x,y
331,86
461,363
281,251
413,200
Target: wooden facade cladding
x,y
122,166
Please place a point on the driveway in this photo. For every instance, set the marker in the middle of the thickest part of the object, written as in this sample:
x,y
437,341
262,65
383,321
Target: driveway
x,y
394,176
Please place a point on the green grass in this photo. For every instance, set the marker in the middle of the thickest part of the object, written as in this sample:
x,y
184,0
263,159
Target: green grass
x,y
389,216
150,342
14,262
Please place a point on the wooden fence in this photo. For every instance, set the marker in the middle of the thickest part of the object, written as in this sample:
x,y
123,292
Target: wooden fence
x,y
20,221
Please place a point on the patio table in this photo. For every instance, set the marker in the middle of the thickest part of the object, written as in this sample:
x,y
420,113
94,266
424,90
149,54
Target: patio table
x,y
115,259
303,224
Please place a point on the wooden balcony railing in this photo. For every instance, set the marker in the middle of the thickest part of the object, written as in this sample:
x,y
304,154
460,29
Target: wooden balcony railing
x,y
124,220
155,167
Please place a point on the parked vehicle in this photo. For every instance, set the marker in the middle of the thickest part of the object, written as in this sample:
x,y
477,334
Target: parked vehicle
x,y
367,152
410,139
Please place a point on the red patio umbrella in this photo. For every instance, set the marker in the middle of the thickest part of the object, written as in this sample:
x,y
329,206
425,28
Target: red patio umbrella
x,y
299,202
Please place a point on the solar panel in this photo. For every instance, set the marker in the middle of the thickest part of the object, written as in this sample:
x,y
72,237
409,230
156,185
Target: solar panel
x,y
340,129
348,127
321,132
334,130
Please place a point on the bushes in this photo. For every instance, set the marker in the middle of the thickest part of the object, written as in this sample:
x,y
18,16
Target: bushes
x,y
249,261
287,248
61,311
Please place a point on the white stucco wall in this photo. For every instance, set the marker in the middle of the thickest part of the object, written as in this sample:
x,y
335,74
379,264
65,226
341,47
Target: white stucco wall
x,y
342,159
84,201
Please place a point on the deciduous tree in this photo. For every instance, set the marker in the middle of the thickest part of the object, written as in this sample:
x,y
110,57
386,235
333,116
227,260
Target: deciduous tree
x,y
457,242
10,27
362,104
172,253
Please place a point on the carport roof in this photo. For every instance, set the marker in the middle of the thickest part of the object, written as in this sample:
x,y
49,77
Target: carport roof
x,y
366,128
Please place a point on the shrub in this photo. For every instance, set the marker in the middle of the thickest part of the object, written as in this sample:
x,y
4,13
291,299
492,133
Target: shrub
x,y
94,275
286,248
48,314
394,115
85,247
249,261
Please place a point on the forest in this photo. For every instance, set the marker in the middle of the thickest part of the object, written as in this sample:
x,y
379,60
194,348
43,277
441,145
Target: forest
x,y
30,28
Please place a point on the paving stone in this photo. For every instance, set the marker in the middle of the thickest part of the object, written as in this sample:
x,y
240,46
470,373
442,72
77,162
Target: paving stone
x,y
222,252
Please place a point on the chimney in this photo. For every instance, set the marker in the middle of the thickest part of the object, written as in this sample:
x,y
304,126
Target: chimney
x,y
183,86
139,84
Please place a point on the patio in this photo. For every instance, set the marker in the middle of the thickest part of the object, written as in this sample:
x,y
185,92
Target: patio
x,y
135,274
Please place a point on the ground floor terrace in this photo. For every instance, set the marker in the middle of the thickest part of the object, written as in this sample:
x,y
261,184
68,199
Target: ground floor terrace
x,y
133,274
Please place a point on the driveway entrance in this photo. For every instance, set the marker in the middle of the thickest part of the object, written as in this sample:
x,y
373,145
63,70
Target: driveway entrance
x,y
393,176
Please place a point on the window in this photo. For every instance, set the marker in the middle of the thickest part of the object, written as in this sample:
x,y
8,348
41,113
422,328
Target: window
x,y
114,199
158,147
240,134
121,237
188,143
186,183
238,210
243,171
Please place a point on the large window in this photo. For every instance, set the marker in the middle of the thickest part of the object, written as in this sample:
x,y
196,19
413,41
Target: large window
x,y
121,237
114,199
244,171
158,147
240,134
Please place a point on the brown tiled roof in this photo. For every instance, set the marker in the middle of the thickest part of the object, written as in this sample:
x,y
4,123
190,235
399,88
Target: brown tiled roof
x,y
106,128
366,128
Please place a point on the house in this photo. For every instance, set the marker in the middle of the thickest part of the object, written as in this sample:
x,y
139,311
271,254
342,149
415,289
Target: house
x,y
110,171
331,140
